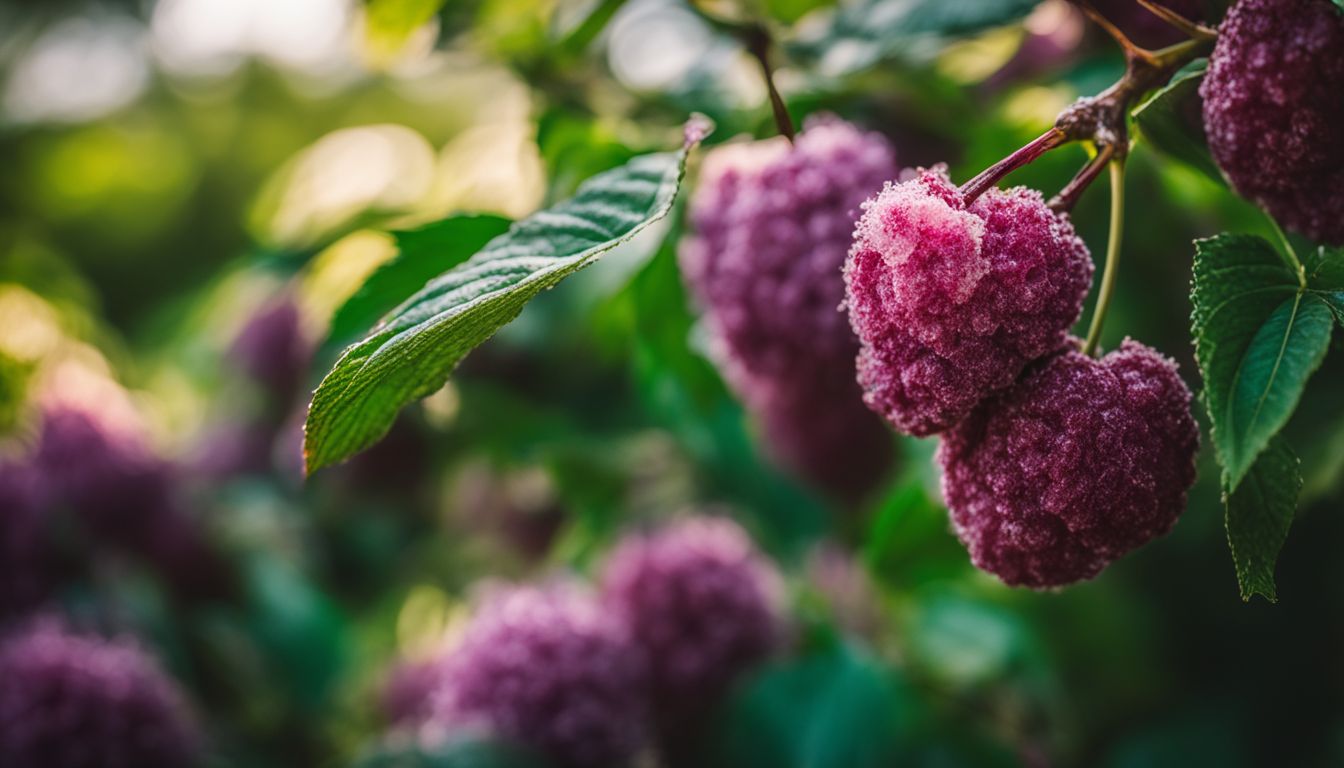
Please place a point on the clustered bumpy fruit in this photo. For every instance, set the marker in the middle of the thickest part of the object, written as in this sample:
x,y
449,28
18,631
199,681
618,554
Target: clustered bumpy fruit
x,y
951,301
699,601
683,613
1273,107
1079,463
548,669
771,225
71,701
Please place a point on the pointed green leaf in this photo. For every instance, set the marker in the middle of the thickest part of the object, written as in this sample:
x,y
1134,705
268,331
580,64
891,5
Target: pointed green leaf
x,y
1325,276
422,254
1259,513
1258,337
411,354
1172,120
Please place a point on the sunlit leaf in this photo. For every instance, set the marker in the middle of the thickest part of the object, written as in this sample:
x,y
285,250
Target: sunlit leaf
x,y
411,354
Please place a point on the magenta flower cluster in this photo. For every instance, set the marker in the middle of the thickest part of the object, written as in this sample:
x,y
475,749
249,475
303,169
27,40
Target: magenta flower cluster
x,y
590,680
951,301
1273,106
771,223
75,701
1081,462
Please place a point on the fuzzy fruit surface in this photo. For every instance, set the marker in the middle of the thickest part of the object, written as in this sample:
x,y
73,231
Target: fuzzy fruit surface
x,y
952,301
771,223
1274,111
700,601
70,701
547,669
1079,463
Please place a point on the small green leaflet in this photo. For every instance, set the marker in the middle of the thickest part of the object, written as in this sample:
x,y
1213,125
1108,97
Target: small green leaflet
x,y
1172,122
1259,334
1261,326
422,254
1259,513
411,354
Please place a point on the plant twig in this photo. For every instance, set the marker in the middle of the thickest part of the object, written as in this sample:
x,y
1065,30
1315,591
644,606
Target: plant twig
x,y
1113,240
992,175
1192,28
1068,196
757,41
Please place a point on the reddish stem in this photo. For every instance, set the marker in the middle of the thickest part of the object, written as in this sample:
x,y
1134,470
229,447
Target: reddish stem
x,y
994,174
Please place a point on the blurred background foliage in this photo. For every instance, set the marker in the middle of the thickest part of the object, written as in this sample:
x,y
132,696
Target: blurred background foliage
x,y
180,172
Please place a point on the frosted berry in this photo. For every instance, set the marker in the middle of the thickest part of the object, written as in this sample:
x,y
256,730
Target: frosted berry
x,y
70,701
546,669
700,601
1274,107
952,301
1079,463
771,224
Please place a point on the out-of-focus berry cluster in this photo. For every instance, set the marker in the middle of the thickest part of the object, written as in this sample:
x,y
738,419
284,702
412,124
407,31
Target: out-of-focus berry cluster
x,y
771,223
592,678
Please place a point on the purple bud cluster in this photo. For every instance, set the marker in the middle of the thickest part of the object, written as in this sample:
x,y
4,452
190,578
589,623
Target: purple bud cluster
x,y
1273,107
547,668
589,681
1079,463
700,602
71,701
771,224
951,301
104,491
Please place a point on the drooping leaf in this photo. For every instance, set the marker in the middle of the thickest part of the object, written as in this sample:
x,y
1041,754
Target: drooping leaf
x,y
411,354
1258,337
858,34
1259,513
1172,120
422,254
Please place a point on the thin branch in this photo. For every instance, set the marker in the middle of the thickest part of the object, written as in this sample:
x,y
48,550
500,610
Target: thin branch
x,y
1192,28
1068,196
1131,48
757,41
1117,166
992,175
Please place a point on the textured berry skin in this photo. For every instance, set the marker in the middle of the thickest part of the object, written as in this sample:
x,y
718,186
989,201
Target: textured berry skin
x,y
70,701
546,669
771,224
1079,463
1274,107
26,568
951,302
700,601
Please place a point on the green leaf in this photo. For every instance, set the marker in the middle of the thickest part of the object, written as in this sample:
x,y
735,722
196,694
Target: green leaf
x,y
1259,513
422,254
1259,335
411,354
390,23
1325,276
859,34
1172,120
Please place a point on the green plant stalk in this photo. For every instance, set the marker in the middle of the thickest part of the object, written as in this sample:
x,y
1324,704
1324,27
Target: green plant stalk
x,y
1112,255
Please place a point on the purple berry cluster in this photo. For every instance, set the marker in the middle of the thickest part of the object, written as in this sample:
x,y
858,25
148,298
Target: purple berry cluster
x,y
590,680
27,565
951,301
1273,107
771,224
1081,462
547,668
1054,464
73,701
700,602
